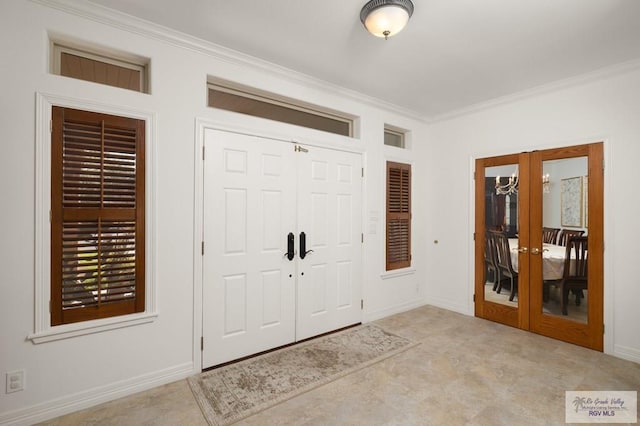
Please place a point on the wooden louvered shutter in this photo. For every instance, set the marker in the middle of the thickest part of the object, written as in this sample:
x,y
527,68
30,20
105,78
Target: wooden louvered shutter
x,y
97,216
398,215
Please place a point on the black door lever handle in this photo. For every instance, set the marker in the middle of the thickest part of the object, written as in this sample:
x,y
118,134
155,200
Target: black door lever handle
x,y
290,248
303,246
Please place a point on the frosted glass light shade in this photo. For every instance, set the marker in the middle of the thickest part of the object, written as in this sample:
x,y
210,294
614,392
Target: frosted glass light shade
x,y
386,21
384,18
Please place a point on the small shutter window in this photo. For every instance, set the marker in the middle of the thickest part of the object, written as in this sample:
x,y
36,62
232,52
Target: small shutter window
x,y
121,70
97,216
90,69
398,216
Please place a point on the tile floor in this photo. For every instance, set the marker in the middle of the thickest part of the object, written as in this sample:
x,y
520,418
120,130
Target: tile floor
x,y
465,371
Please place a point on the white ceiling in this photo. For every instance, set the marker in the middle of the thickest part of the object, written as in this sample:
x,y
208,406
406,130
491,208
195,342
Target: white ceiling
x,y
453,53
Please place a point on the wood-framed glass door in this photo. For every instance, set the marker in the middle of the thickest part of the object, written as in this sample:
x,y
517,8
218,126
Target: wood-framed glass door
x,y
566,193
501,295
557,197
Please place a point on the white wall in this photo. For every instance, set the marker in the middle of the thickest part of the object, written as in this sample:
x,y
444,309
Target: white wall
x,y
66,375
599,109
69,374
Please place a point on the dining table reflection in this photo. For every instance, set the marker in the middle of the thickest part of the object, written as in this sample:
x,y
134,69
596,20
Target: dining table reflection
x,y
552,259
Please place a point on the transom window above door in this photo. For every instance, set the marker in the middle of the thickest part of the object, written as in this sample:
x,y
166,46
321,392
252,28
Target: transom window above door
x,y
245,100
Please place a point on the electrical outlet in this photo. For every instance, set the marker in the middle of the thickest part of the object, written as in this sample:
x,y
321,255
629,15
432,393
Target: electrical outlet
x,y
15,381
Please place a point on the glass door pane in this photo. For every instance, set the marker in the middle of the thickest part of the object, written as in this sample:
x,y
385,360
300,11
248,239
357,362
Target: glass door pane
x,y
501,234
501,287
564,213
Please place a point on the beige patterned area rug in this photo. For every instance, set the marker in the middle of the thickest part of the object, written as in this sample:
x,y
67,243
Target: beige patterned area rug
x,y
233,392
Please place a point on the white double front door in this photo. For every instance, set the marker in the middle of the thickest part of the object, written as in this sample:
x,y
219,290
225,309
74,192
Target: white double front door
x,y
263,199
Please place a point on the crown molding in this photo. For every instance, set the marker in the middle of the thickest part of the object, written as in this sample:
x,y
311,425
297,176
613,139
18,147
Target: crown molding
x,y
135,25
579,80
132,24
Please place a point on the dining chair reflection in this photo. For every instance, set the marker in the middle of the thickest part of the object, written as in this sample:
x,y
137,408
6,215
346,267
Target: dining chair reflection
x,y
566,233
575,271
505,267
549,235
490,259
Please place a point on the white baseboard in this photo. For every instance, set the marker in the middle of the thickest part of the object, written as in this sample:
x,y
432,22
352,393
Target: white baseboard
x,y
630,354
403,307
88,398
447,304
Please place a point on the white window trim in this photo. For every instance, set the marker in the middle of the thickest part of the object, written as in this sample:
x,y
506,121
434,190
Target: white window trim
x,y
395,273
43,331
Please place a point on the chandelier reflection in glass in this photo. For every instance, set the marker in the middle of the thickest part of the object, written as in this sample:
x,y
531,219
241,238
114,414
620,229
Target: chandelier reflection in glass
x,y
511,187
546,184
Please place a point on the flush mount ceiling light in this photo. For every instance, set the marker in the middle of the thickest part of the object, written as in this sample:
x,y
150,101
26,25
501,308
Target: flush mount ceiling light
x,y
384,18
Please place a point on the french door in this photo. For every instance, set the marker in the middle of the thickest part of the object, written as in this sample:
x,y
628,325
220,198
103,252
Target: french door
x,y
282,251
529,208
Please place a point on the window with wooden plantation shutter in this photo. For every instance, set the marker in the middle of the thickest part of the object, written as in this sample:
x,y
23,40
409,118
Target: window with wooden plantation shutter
x,y
97,216
398,215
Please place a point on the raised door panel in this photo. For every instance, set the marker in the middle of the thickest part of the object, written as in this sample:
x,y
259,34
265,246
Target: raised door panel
x,y
330,210
249,208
